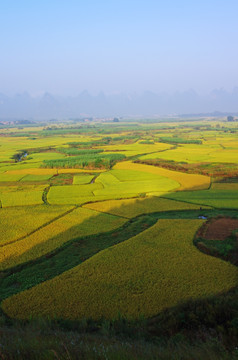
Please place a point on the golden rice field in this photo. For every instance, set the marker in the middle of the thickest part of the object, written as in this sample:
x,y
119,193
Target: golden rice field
x,y
186,181
21,195
154,270
133,207
17,222
79,222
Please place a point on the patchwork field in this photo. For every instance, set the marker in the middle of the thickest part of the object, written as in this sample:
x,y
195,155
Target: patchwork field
x,y
90,230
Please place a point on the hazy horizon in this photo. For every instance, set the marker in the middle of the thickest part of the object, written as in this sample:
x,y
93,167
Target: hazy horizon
x,y
125,47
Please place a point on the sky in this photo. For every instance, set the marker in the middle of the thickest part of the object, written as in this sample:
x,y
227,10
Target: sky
x,y
131,46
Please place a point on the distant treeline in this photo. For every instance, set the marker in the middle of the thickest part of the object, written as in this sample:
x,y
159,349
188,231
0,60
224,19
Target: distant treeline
x,y
92,161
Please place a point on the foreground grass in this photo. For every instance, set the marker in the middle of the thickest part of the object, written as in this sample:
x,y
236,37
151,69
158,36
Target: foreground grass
x,y
37,343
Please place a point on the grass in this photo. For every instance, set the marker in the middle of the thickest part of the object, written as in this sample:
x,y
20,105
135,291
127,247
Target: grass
x,y
143,275
37,340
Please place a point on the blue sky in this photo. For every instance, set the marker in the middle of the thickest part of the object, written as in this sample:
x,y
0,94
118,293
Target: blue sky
x,y
128,46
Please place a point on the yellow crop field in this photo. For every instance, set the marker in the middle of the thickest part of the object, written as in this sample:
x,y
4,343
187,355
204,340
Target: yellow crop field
x,y
186,181
79,222
133,207
161,185
21,195
154,270
25,219
197,153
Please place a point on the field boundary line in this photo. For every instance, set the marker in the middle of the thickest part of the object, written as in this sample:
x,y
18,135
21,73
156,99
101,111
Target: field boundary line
x,y
40,227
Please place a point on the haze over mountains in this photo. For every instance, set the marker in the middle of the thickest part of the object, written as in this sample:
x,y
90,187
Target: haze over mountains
x,y
101,105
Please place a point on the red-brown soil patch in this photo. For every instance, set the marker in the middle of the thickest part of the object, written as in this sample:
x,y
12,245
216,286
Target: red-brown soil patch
x,y
218,228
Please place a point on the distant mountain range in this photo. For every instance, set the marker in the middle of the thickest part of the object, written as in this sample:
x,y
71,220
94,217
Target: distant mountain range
x,y
24,106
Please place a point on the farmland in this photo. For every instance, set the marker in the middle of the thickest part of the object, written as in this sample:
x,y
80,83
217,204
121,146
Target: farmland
x,y
137,269
101,221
